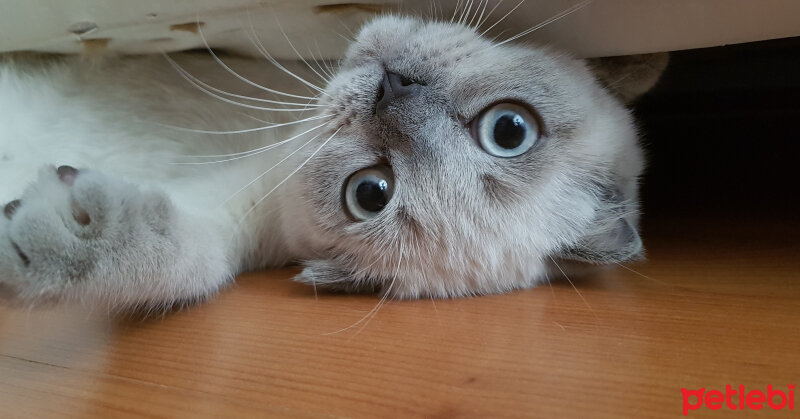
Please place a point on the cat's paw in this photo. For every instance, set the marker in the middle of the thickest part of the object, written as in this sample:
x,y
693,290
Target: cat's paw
x,y
71,227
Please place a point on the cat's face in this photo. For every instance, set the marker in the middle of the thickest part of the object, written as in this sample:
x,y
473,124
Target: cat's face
x,y
460,167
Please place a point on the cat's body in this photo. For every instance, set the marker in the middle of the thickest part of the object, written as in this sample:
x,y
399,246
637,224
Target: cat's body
x,y
117,118
131,227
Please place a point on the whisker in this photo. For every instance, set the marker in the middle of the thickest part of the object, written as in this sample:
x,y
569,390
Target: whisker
x,y
614,84
469,12
481,8
455,11
555,18
247,130
332,68
291,45
574,287
263,50
549,283
483,12
290,174
440,12
198,85
339,34
467,9
436,310
347,28
370,314
314,286
319,63
385,294
376,307
432,10
196,80
503,18
374,312
247,115
416,248
250,153
264,173
499,35
239,76
364,269
645,276
489,15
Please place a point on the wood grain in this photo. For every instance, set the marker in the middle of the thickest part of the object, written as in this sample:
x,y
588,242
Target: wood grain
x,y
711,307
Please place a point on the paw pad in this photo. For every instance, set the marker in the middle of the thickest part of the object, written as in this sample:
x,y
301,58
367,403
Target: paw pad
x,y
67,174
81,217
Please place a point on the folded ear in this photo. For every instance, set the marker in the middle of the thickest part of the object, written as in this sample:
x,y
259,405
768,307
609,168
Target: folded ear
x,y
629,76
612,237
618,241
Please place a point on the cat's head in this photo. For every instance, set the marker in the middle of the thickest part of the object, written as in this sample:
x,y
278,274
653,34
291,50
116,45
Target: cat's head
x,y
463,167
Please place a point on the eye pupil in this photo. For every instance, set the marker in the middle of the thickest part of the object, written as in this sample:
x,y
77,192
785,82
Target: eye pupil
x,y
368,191
509,131
372,194
506,129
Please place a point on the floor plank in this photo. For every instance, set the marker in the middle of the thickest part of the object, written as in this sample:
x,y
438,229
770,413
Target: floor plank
x,y
708,308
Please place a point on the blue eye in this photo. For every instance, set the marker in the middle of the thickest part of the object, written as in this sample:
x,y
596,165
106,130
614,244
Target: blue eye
x,y
368,191
506,130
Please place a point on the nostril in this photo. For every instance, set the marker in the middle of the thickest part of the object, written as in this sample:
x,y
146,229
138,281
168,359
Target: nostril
x,y
385,94
21,254
381,92
394,86
402,85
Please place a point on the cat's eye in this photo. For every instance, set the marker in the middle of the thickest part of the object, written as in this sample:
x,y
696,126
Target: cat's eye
x,y
506,129
368,191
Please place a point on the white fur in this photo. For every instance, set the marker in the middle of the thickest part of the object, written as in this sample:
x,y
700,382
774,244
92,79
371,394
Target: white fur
x,y
163,233
110,117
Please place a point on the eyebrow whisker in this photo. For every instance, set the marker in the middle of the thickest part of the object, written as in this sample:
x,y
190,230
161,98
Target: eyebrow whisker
x,y
246,130
249,153
239,76
555,18
196,81
503,17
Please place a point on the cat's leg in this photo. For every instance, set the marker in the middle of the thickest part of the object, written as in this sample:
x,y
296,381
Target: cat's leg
x,y
83,235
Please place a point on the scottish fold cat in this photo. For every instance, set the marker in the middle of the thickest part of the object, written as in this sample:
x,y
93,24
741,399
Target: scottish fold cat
x,y
433,162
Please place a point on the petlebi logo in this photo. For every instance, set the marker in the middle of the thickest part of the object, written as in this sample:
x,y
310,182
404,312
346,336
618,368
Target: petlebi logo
x,y
733,398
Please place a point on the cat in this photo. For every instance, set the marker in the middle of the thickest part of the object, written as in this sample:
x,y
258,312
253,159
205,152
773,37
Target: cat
x,y
433,163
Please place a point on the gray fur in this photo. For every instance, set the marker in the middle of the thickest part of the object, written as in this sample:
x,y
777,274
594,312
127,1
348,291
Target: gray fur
x,y
463,222
128,229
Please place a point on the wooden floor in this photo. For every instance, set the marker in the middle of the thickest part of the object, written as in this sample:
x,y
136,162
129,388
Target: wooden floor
x,y
714,305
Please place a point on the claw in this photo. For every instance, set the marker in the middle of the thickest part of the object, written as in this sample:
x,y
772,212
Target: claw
x,y
21,255
11,208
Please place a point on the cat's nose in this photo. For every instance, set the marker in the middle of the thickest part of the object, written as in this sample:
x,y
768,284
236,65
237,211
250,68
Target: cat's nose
x,y
394,86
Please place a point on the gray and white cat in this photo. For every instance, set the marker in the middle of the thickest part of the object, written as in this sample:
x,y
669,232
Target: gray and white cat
x,y
433,163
